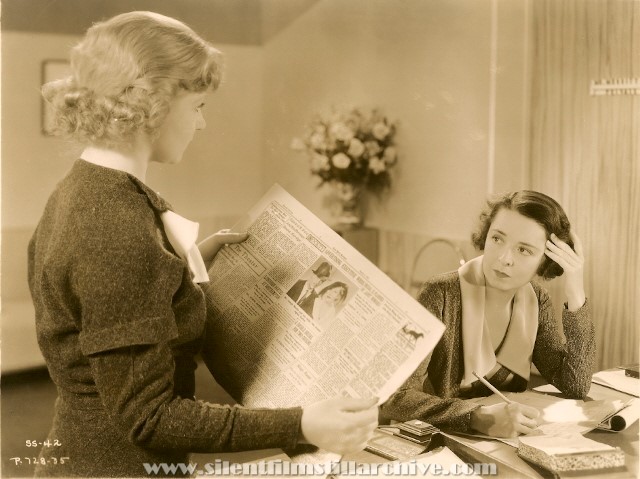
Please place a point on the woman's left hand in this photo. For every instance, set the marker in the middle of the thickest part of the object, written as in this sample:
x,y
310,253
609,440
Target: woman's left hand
x,y
572,262
210,246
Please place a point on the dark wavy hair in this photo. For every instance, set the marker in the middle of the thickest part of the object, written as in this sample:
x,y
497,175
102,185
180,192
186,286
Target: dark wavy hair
x,y
541,208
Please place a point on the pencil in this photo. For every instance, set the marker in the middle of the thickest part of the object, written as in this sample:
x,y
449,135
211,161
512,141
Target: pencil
x,y
493,388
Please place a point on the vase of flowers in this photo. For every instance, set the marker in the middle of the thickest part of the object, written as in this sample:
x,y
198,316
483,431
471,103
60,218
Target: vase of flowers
x,y
347,203
352,151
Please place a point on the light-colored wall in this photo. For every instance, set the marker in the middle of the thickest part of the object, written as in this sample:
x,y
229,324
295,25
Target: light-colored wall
x,y
31,162
429,65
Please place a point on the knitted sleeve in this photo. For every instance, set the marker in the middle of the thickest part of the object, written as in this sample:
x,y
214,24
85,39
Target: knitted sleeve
x,y
567,365
123,277
415,399
136,387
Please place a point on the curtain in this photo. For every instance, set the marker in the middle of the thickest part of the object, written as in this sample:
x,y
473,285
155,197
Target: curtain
x,y
584,152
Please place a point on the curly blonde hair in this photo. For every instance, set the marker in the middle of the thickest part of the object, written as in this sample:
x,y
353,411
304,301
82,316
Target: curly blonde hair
x,y
125,72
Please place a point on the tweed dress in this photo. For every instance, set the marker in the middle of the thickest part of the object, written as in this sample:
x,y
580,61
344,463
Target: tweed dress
x,y
433,392
120,322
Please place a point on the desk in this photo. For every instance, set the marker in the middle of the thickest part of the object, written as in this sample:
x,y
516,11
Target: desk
x,y
475,450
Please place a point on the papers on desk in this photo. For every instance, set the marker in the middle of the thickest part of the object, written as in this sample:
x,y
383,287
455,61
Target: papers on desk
x,y
560,416
547,389
618,421
623,418
616,379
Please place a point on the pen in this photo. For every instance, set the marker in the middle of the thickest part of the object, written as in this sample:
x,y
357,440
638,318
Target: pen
x,y
492,387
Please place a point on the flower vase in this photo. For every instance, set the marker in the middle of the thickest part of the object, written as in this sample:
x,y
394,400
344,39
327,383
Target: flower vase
x,y
347,208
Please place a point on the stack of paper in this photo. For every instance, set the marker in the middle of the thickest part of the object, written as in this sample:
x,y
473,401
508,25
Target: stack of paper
x,y
616,379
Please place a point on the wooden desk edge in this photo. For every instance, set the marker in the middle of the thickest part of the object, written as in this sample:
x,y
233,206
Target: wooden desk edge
x,y
471,455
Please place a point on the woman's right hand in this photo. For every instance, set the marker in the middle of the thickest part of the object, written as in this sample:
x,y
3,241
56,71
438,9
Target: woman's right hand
x,y
342,425
210,246
505,420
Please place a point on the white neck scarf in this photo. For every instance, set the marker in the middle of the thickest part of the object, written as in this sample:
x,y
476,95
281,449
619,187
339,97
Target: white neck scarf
x,y
517,348
182,234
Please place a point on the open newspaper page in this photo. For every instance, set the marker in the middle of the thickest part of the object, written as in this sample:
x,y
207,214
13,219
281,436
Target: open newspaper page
x,y
298,315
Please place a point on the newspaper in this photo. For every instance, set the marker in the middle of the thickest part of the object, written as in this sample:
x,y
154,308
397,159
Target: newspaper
x,y
297,315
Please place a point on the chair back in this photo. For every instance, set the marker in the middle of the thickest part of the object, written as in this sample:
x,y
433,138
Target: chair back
x,y
438,255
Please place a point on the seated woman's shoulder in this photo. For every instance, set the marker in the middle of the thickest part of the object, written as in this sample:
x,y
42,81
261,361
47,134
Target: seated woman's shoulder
x,y
434,292
541,292
539,288
439,284
449,278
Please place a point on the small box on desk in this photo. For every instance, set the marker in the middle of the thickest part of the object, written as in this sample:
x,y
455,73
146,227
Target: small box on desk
x,y
416,431
393,447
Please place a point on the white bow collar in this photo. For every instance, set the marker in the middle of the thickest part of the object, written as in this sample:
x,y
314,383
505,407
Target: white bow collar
x,y
182,234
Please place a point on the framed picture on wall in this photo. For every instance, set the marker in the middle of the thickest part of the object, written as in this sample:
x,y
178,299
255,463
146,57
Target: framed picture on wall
x,y
51,70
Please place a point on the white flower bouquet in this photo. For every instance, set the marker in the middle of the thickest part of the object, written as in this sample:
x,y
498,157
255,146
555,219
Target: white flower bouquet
x,y
351,148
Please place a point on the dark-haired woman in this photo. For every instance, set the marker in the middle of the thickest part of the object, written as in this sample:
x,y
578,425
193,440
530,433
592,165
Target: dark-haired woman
x,y
499,322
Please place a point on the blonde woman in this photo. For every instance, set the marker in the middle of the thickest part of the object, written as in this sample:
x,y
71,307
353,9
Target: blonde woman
x,y
120,314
